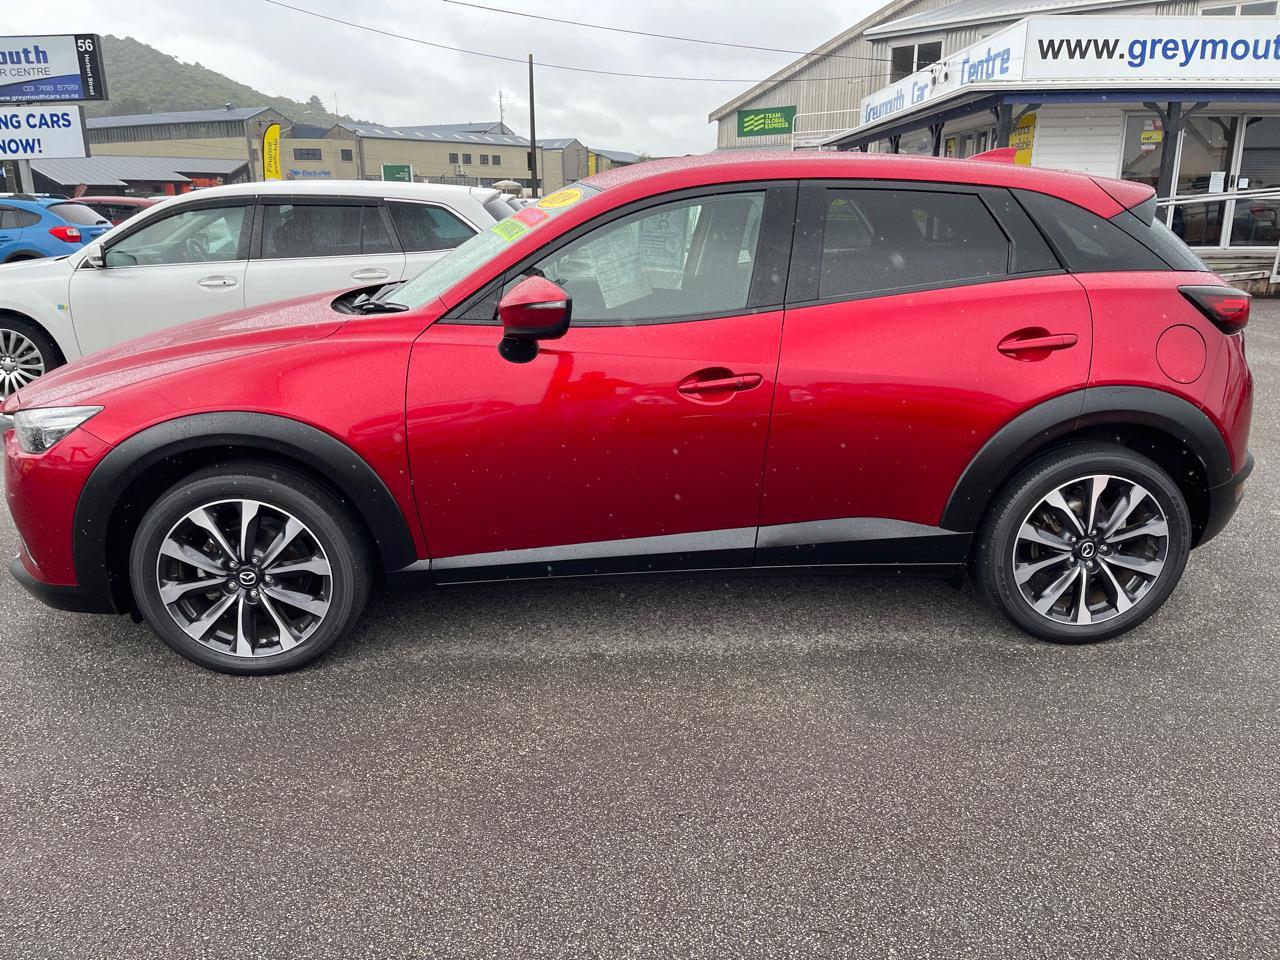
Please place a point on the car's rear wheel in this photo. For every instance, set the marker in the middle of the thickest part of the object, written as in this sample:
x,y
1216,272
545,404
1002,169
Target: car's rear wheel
x,y
1084,544
26,352
249,568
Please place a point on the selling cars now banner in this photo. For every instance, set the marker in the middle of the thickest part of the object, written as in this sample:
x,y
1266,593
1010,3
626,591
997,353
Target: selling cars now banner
x,y
41,69
29,133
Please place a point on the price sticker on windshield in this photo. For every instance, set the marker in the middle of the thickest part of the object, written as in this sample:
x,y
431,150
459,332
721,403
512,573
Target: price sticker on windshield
x,y
561,198
509,230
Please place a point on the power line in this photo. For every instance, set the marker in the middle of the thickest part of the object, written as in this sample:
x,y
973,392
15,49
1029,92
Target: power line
x,y
665,36
550,66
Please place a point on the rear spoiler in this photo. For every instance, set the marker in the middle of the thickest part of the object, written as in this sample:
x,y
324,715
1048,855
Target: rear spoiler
x,y
998,155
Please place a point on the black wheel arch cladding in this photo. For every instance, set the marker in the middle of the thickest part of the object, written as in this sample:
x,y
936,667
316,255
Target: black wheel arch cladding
x,y
1036,429
239,434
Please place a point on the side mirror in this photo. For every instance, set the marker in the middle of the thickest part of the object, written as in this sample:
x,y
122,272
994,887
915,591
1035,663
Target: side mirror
x,y
535,309
93,256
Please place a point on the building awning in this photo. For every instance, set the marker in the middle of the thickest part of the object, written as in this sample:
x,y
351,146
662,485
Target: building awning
x,y
118,171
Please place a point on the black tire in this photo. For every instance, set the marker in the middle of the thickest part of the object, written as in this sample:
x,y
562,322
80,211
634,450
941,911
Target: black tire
x,y
50,355
283,490
994,560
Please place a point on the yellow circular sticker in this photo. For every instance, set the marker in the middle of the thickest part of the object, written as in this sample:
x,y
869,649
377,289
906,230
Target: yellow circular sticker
x,y
561,198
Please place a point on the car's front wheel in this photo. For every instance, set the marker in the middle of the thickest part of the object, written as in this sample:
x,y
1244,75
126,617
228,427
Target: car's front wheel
x,y
249,568
26,352
1084,543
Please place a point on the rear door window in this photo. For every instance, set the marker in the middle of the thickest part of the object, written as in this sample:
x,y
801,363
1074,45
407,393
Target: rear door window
x,y
876,240
297,231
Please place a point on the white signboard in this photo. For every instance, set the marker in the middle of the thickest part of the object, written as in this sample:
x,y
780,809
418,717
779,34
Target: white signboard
x,y
41,69
29,133
1152,48
1098,50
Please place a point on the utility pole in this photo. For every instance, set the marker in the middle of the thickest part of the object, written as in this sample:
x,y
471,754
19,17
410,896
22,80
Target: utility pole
x,y
502,108
533,135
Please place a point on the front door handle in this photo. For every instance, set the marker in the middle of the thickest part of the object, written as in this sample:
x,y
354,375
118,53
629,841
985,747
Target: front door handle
x,y
215,283
370,273
741,381
1052,341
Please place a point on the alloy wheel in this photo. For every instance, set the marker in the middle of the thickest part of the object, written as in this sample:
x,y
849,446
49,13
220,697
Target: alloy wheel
x,y
20,361
1090,549
244,578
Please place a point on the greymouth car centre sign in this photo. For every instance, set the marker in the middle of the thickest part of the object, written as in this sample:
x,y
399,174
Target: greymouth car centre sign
x,y
54,68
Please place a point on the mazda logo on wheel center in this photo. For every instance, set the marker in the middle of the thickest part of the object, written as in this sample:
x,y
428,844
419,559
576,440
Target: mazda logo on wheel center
x,y
248,578
1087,550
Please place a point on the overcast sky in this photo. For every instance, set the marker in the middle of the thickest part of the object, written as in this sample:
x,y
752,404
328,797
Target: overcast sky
x,y
284,53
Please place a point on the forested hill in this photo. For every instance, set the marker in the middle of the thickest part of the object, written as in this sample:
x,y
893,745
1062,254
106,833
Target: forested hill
x,y
142,79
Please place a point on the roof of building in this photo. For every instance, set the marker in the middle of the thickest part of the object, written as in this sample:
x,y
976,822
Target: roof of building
x,y
619,156
441,133
557,144
113,171
308,131
986,11
180,116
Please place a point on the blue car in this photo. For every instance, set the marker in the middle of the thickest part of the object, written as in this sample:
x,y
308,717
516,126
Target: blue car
x,y
33,227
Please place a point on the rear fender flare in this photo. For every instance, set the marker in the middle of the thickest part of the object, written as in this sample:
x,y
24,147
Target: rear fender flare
x,y
1031,431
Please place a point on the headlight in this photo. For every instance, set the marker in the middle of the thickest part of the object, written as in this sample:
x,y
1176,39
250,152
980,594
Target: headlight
x,y
40,428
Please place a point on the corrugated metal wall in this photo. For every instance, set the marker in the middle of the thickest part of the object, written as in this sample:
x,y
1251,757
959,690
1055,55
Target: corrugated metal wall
x,y
827,84
1079,136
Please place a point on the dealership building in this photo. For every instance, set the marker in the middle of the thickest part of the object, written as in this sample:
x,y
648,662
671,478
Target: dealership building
x,y
1182,95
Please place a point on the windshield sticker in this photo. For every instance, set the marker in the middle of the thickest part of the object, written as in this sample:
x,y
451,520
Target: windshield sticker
x,y
561,198
509,229
531,216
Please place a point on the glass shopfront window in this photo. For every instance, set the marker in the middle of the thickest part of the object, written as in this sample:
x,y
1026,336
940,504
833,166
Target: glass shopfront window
x,y
1257,222
1208,147
1143,148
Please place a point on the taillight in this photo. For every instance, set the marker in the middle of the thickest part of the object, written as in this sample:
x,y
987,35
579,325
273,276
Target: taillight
x,y
69,234
1227,307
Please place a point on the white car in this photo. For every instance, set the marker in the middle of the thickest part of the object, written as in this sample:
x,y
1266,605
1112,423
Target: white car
x,y
224,249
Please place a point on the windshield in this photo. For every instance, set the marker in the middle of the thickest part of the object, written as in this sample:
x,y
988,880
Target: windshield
x,y
470,256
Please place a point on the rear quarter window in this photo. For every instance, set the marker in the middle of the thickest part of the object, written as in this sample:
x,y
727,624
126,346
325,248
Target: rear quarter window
x,y
77,213
1085,242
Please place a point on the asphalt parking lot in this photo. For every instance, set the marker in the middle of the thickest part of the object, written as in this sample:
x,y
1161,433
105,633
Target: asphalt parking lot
x,y
713,769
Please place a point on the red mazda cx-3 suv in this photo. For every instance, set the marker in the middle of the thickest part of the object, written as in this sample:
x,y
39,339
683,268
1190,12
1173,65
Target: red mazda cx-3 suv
x,y
737,363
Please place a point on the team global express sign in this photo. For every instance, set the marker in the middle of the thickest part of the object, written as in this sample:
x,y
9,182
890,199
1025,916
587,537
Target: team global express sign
x,y
762,123
65,67
27,133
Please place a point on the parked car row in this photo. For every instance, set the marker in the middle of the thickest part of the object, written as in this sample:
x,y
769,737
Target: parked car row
x,y
219,250
733,365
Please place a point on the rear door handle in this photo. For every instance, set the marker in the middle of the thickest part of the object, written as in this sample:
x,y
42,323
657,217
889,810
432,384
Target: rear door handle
x,y
1052,341
214,283
742,381
370,273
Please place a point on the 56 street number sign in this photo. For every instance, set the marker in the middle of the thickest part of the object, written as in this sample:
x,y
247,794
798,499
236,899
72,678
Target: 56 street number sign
x,y
51,69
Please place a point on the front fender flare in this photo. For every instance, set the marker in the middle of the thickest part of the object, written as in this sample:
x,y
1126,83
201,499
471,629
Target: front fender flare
x,y
359,487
